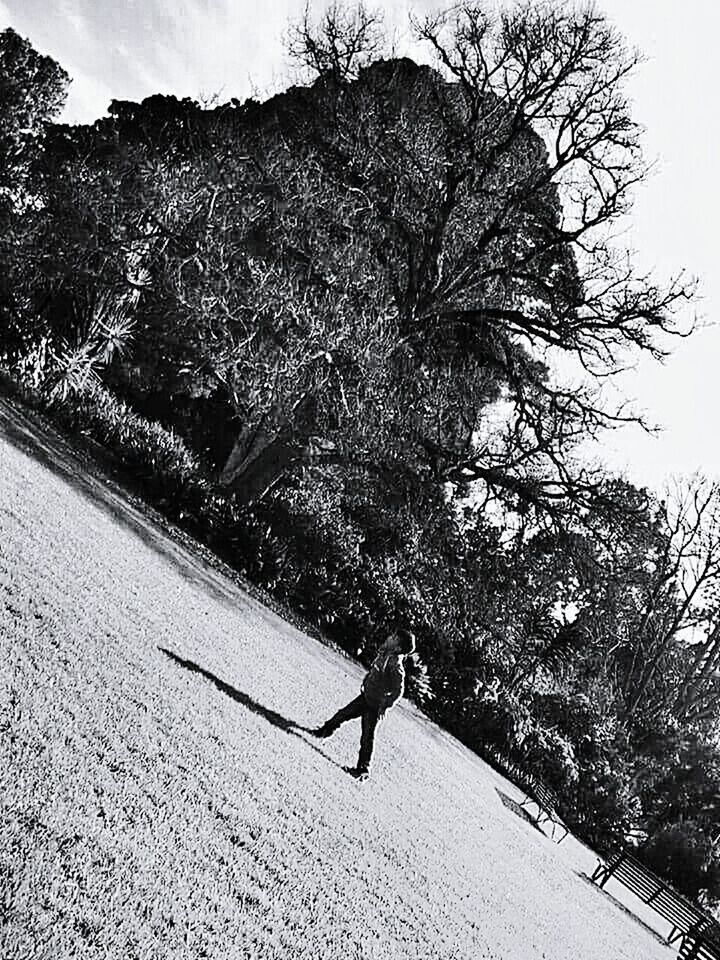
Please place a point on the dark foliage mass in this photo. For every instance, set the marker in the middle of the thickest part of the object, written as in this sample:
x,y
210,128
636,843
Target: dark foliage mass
x,y
324,332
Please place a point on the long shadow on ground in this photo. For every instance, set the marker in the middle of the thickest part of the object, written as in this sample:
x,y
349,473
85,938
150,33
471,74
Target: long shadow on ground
x,y
626,910
517,809
272,716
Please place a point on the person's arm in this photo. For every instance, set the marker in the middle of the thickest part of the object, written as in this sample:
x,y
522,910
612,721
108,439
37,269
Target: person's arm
x,y
395,678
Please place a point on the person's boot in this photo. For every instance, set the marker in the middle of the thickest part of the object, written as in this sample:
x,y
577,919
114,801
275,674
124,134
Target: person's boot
x,y
322,732
360,773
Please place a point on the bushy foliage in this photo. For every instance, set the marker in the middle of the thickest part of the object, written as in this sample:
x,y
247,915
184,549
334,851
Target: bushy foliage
x,y
684,853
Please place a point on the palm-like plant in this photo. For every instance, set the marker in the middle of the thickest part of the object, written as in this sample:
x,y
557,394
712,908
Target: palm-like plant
x,y
75,368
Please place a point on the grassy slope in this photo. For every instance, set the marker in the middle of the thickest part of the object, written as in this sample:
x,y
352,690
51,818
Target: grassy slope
x,y
151,810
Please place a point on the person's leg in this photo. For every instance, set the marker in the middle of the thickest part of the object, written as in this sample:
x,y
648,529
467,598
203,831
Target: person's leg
x,y
370,719
351,711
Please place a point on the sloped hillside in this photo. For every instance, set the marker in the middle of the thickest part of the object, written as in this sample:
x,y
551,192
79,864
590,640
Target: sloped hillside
x,y
157,801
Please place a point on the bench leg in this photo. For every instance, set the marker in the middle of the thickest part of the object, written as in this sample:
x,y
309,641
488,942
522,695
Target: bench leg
x,y
560,827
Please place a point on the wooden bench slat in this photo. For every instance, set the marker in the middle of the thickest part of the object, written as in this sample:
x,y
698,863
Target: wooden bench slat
x,y
638,883
682,921
679,919
637,872
647,887
679,909
644,891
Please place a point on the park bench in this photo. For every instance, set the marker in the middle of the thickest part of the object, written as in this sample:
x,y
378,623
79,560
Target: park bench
x,y
695,929
536,791
546,802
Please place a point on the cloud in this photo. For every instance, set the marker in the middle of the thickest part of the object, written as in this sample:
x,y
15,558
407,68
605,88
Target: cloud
x,y
132,50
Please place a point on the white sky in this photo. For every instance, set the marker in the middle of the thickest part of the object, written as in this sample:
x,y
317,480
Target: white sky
x,y
132,49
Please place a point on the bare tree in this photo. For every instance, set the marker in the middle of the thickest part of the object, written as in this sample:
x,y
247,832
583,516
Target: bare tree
x,y
491,192
339,44
679,612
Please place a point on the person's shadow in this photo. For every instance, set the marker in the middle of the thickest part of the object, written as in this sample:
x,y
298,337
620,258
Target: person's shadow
x,y
272,716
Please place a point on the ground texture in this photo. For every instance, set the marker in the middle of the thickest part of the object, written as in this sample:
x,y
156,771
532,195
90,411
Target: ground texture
x,y
156,801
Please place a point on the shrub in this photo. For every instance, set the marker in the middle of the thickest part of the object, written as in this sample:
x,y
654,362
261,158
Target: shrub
x,y
684,854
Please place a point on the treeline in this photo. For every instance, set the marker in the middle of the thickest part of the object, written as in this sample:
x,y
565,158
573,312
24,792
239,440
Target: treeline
x,y
321,331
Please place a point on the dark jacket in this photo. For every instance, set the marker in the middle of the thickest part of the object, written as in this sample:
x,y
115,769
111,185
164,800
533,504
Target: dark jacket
x,y
385,680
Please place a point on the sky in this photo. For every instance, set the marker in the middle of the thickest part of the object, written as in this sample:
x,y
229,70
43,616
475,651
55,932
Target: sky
x,y
130,49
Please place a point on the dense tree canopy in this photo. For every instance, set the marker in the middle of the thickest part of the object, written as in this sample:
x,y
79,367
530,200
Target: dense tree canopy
x,y
32,92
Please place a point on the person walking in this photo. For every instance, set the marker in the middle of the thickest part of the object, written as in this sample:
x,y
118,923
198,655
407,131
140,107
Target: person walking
x,y
382,687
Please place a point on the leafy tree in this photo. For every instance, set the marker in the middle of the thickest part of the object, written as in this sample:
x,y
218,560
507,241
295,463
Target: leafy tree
x,y
32,91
